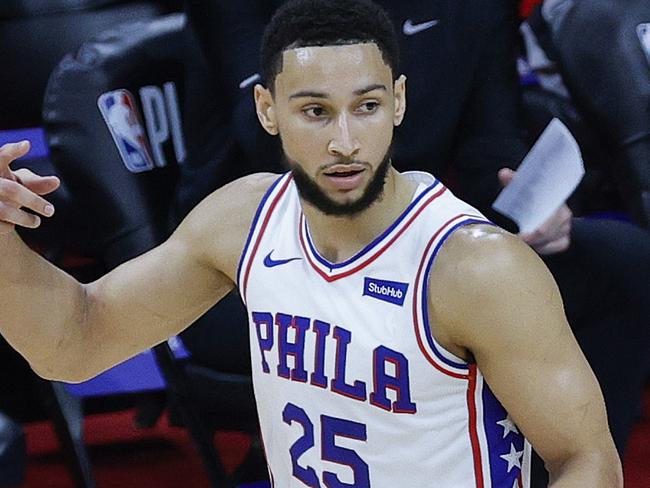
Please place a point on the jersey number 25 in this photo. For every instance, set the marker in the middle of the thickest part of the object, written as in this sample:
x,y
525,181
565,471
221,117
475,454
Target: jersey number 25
x,y
331,427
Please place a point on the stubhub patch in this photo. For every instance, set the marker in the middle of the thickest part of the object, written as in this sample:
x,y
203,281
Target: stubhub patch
x,y
388,291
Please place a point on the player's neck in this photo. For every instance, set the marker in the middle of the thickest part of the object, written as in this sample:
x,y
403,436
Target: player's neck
x,y
339,238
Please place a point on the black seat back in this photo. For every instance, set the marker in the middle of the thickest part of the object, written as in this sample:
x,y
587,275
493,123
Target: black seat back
x,y
130,79
604,53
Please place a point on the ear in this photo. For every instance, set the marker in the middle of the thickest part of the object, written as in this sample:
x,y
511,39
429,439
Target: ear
x,y
400,100
266,109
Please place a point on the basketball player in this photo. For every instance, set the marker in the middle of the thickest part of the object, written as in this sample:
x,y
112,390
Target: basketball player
x,y
381,307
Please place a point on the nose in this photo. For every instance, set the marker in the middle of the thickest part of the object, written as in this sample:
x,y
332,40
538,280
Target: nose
x,y
343,143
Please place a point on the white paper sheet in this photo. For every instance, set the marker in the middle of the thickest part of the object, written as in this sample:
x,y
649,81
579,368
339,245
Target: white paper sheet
x,y
544,180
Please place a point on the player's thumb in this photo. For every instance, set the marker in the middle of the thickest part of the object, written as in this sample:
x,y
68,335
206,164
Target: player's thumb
x,y
505,176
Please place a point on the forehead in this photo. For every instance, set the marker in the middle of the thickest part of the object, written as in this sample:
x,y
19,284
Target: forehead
x,y
333,68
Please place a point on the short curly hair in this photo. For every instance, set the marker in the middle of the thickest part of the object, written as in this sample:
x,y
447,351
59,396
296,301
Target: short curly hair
x,y
303,23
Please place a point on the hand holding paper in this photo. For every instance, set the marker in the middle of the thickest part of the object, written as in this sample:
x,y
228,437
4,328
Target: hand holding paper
x,y
546,178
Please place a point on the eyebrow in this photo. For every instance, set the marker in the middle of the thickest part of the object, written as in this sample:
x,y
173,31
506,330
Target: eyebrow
x,y
369,88
315,94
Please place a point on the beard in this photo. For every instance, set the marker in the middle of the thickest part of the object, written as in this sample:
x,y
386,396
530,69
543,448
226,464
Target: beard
x,y
310,192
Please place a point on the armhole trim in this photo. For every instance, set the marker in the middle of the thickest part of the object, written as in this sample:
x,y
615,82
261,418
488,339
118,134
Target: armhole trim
x,y
258,226
443,360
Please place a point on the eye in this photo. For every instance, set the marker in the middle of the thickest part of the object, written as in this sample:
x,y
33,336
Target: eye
x,y
368,107
314,112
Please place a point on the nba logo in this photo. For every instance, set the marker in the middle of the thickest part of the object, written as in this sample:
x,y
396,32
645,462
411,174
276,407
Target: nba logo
x,y
121,116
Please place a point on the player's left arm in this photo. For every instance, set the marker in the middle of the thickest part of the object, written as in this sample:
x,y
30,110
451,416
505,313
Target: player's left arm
x,y
493,300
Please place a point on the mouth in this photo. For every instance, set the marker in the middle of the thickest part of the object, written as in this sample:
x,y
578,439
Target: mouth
x,y
344,168
343,174
345,177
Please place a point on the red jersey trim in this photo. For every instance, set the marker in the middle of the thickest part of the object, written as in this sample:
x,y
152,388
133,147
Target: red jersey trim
x,y
473,425
256,246
417,301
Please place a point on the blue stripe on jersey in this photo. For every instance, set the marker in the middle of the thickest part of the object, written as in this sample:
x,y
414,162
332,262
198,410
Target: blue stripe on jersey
x,y
254,225
425,291
502,440
369,247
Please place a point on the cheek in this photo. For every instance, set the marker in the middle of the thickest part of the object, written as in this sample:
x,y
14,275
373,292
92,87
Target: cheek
x,y
303,142
376,137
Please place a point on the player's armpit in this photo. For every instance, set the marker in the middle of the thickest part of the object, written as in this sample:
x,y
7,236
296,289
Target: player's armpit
x,y
491,298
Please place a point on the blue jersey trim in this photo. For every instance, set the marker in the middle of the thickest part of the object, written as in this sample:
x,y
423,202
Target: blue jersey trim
x,y
251,231
425,289
499,444
376,241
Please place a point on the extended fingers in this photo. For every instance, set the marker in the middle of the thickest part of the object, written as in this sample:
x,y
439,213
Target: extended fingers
x,y
42,185
15,195
12,151
14,216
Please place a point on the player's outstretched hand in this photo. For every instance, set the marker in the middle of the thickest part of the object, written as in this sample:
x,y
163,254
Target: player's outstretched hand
x,y
552,236
22,190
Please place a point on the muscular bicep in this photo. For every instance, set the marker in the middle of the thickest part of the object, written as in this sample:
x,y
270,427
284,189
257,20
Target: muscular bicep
x,y
533,364
504,309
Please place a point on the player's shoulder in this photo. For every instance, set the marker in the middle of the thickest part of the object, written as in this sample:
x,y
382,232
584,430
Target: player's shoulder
x,y
247,190
485,277
479,262
219,225
233,205
479,248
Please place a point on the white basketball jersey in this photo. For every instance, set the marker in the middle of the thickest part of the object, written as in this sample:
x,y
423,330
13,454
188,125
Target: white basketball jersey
x,y
352,388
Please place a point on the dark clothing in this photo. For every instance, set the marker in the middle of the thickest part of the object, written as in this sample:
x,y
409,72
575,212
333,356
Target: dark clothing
x,y
461,125
603,279
12,453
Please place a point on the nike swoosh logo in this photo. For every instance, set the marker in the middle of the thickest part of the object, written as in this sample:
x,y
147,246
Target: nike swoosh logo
x,y
249,81
410,29
271,263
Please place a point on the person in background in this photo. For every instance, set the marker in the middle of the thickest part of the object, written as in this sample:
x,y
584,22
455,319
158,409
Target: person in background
x,y
565,43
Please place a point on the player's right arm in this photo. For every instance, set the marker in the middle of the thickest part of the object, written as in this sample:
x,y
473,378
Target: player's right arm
x,y
71,331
